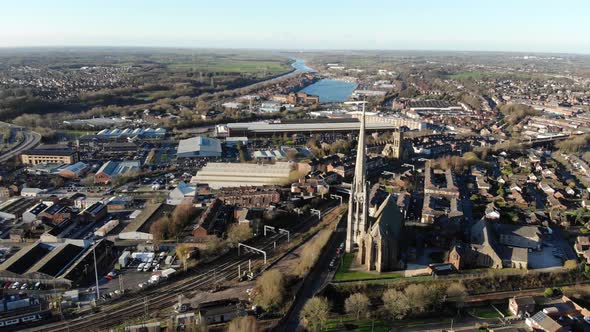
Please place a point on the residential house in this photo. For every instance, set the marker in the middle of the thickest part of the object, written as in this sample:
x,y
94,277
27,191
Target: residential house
x,y
521,305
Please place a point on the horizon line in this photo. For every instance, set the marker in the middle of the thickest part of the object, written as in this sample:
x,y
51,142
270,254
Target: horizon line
x,y
300,50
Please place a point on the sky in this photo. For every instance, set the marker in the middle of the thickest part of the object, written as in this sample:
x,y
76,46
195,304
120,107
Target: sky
x,y
480,25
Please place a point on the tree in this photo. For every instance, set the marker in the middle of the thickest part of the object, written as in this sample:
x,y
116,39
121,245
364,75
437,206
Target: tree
x,y
57,182
548,292
315,313
159,229
88,181
239,233
396,303
356,304
214,245
456,292
270,289
571,264
183,252
311,252
419,297
181,216
243,324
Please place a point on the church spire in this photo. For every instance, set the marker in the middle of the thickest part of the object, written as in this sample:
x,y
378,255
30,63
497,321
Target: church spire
x,y
357,208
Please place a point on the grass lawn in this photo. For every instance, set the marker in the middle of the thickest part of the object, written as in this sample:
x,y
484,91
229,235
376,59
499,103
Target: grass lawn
x,y
343,273
367,325
484,312
76,133
361,325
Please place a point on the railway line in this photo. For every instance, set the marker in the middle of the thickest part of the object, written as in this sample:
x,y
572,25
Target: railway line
x,y
151,302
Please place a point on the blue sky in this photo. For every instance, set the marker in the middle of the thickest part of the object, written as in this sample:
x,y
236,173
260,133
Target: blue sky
x,y
504,25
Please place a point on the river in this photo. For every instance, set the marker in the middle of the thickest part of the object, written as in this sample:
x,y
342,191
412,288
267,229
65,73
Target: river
x,y
331,91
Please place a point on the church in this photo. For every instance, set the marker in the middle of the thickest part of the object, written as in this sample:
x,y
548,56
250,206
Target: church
x,y
378,236
379,248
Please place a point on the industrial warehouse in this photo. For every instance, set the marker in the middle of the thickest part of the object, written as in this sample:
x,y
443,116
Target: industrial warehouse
x,y
60,265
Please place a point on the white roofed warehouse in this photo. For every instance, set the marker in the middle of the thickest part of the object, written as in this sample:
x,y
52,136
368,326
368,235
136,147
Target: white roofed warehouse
x,y
199,147
224,175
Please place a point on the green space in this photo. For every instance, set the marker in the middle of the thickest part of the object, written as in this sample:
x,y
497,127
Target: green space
x,y
487,312
361,325
344,273
251,63
76,133
378,325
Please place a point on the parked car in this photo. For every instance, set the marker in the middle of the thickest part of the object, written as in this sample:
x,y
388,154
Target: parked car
x,y
140,267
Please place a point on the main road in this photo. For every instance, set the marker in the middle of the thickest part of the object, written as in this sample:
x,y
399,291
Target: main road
x,y
31,139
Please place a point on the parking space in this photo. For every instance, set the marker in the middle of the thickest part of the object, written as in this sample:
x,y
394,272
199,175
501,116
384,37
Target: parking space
x,y
555,251
145,270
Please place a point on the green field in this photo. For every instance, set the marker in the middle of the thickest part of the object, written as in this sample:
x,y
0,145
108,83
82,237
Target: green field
x,y
250,63
343,273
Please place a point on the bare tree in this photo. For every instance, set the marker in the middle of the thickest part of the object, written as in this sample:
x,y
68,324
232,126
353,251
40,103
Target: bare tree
x,y
238,233
159,229
183,252
456,292
243,324
396,303
419,297
270,288
356,304
315,313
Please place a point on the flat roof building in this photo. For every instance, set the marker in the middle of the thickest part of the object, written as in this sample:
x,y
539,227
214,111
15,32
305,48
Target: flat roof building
x,y
49,155
199,147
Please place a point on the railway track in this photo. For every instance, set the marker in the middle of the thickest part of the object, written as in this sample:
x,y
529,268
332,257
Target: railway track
x,y
158,299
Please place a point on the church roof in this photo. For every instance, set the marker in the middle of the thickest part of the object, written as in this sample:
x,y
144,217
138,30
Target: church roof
x,y
389,220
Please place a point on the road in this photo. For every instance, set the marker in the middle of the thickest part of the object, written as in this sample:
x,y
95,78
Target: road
x,y
31,140
317,278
